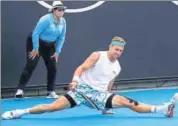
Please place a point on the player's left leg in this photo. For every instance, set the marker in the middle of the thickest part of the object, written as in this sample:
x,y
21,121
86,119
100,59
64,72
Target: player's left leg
x,y
119,101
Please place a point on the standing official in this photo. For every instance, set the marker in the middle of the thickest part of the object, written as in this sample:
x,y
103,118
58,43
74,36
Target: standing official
x,y
46,41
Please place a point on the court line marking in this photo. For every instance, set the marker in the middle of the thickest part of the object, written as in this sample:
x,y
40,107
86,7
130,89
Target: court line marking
x,y
77,10
134,90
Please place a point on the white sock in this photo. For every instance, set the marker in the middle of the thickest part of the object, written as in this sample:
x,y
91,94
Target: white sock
x,y
153,109
26,111
158,109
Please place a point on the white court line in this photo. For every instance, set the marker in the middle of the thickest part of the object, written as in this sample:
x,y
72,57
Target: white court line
x,y
175,2
134,90
24,98
77,10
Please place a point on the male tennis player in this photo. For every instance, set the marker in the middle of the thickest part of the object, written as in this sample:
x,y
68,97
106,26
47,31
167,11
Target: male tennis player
x,y
94,79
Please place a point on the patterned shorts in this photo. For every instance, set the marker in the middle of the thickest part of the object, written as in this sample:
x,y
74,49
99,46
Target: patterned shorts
x,y
98,97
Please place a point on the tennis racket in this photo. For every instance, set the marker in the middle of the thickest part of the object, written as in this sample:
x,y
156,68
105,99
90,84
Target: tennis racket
x,y
88,99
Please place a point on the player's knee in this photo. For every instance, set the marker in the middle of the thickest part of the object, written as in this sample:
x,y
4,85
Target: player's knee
x,y
125,102
132,102
70,100
109,101
55,106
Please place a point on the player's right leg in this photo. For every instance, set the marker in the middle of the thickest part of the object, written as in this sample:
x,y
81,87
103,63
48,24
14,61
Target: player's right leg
x,y
61,103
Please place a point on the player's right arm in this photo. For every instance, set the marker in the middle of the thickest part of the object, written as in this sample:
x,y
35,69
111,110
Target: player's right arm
x,y
88,63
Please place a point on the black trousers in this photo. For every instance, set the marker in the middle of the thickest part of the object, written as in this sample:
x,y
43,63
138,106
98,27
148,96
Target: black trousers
x,y
46,50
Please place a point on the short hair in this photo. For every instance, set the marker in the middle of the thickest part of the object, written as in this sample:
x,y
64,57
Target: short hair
x,y
116,38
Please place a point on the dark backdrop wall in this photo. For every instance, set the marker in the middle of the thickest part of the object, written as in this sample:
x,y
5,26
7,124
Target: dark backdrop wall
x,y
150,29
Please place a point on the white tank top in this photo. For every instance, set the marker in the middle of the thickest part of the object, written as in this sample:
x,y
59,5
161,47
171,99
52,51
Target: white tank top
x,y
102,73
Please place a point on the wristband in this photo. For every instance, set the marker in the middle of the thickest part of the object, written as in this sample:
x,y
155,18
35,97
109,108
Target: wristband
x,y
76,79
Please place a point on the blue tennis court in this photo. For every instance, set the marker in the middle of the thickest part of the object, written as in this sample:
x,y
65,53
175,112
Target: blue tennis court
x,y
83,116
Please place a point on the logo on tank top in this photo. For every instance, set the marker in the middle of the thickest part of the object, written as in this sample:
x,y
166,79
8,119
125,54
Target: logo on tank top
x,y
114,72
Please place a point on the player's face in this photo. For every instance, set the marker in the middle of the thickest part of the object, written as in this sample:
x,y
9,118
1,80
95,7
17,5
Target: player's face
x,y
116,51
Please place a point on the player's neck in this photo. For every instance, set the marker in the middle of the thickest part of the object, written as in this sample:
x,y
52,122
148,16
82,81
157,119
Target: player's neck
x,y
112,59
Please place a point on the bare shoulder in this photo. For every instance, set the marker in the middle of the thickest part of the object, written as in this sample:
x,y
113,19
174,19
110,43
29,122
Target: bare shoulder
x,y
91,60
94,56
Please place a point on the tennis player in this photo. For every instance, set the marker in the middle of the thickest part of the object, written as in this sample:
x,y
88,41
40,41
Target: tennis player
x,y
94,79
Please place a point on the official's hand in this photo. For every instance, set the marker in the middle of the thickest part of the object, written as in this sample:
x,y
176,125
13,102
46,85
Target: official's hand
x,y
55,56
33,54
73,85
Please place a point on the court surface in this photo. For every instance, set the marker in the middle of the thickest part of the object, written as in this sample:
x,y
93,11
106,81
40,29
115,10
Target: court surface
x,y
83,116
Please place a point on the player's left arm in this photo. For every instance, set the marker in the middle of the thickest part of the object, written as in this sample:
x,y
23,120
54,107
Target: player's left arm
x,y
111,85
108,112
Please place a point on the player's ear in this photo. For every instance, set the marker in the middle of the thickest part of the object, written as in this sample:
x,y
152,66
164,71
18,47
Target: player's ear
x,y
110,46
